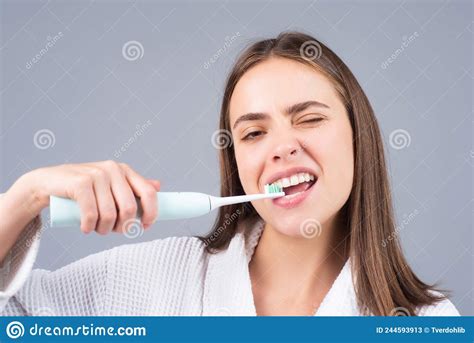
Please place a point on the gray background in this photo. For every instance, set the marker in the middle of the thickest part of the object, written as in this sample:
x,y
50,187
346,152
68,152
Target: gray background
x,y
91,99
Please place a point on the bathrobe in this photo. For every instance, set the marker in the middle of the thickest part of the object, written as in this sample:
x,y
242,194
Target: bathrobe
x,y
174,276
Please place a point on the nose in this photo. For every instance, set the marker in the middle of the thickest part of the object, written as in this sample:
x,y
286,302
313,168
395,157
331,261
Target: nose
x,y
288,151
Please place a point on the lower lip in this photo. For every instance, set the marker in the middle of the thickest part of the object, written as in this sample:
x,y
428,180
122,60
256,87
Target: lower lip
x,y
295,200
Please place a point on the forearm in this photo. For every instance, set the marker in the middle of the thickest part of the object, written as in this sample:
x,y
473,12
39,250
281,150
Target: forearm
x,y
18,206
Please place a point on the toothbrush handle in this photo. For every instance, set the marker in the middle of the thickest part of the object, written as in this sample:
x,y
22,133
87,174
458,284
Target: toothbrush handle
x,y
171,205
182,205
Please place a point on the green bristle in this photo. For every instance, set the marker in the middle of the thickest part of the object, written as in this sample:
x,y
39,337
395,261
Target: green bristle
x,y
272,189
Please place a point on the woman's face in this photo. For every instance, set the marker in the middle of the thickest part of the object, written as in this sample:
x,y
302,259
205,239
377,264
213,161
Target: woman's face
x,y
294,123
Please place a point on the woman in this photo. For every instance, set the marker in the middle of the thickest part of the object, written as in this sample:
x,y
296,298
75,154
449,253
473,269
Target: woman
x,y
297,117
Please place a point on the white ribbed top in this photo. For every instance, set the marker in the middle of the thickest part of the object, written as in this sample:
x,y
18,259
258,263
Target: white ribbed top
x,y
171,277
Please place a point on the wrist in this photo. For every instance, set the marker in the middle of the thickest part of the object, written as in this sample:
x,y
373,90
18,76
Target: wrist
x,y
28,189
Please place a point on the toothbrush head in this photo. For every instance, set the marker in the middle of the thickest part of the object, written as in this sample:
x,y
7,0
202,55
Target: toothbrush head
x,y
273,188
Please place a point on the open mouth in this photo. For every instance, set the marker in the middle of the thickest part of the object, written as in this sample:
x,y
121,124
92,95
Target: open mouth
x,y
301,187
296,188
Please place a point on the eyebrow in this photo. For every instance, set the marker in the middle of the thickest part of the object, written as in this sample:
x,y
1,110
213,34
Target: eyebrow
x,y
291,110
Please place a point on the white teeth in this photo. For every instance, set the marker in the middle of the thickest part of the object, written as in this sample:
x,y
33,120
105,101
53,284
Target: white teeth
x,y
301,177
294,180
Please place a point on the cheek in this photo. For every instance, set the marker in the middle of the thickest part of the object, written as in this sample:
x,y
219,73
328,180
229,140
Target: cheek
x,y
337,159
249,164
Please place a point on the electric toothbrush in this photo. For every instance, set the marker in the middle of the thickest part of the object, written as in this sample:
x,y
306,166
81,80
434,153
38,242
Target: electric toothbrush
x,y
171,205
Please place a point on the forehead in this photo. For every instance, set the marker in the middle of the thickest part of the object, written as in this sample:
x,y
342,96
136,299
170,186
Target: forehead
x,y
277,83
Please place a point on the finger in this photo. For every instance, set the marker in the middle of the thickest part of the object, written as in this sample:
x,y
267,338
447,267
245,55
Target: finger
x,y
156,184
105,203
86,201
125,202
147,194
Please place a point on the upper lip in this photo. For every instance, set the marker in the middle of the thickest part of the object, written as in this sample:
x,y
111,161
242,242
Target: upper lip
x,y
288,172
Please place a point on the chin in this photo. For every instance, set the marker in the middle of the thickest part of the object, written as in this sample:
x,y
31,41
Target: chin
x,y
297,225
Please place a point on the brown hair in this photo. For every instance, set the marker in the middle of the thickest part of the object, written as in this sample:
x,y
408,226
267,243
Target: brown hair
x,y
383,280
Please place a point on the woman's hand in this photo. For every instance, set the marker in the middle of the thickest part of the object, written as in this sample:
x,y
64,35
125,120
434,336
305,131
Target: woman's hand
x,y
105,192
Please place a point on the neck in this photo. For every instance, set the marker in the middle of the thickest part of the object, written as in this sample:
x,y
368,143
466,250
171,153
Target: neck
x,y
299,268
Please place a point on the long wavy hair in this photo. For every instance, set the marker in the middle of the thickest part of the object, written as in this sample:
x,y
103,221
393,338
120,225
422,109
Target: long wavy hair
x,y
383,280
